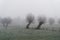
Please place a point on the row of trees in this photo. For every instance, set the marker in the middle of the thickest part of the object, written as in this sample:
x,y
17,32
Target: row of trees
x,y
41,20
30,19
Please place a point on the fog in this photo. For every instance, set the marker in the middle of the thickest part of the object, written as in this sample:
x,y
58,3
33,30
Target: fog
x,y
15,8
29,19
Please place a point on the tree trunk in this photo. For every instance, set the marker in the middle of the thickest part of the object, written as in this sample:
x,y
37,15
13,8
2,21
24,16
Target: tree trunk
x,y
6,26
3,25
28,25
39,25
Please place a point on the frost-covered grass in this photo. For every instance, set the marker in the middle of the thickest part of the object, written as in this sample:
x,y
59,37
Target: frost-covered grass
x,y
5,35
19,33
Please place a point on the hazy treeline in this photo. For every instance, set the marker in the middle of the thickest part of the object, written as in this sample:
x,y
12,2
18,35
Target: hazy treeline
x,y
29,19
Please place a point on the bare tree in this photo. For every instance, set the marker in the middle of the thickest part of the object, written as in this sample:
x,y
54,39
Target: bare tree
x,y
58,21
6,21
0,19
30,19
41,20
51,21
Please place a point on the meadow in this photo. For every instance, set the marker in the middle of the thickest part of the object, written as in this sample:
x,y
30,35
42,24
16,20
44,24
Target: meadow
x,y
47,32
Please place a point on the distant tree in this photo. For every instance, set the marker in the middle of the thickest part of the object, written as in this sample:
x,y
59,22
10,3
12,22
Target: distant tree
x,y
30,19
58,21
41,20
0,19
6,21
51,21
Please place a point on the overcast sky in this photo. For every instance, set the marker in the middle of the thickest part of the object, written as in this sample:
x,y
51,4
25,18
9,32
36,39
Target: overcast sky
x,y
14,8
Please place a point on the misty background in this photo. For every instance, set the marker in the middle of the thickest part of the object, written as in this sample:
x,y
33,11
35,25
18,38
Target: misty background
x,y
19,8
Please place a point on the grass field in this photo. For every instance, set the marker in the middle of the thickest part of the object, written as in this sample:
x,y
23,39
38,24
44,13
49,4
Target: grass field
x,y
20,33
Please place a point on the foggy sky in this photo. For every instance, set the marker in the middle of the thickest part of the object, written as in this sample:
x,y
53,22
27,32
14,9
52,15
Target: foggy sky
x,y
14,8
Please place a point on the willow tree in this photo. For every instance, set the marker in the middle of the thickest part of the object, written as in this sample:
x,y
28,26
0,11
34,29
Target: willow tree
x,y
51,21
6,22
30,19
41,20
58,21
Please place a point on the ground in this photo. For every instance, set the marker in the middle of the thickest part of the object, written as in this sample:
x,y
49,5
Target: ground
x,y
19,33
